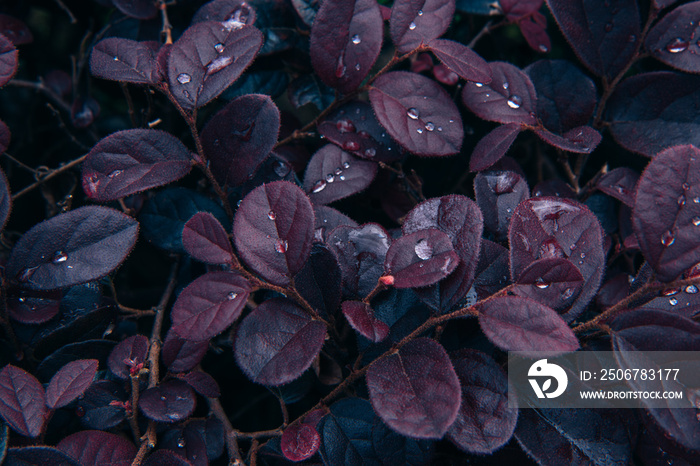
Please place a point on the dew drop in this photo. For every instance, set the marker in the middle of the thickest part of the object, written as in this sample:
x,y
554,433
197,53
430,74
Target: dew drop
x,y
505,85
429,126
677,45
271,215
219,47
670,292
162,398
345,126
181,443
667,238
439,128
691,289
673,301
338,171
237,19
685,186
351,145
281,246
681,200
340,67
696,221
371,152
341,177
330,178
567,293
696,200
232,295
420,12
346,165
478,84
413,113
356,39
219,64
59,257
423,249
282,169
114,173
541,284
116,58
419,130
319,186
357,67
543,48
515,101
412,26
184,78
173,416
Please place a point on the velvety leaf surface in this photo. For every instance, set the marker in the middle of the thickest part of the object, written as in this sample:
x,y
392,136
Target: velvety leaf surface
x,y
656,330
208,57
8,60
236,12
346,38
582,140
499,192
209,305
621,184
102,405
98,448
133,160
328,218
333,174
492,270
417,22
203,383
418,113
171,401
205,239
420,259
32,307
520,324
652,111
239,137
273,230
492,147
566,98
552,227
671,40
15,30
319,282
461,59
76,247
415,391
22,403
300,441
128,354
603,34
139,9
277,342
510,97
188,442
666,216
552,281
126,60
484,422
181,355
38,456
574,436
70,382
362,319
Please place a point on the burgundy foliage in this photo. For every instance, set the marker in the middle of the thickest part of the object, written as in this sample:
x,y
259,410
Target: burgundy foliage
x,y
98,448
128,355
205,239
461,60
15,30
362,319
492,147
171,401
416,22
125,60
671,39
22,405
181,355
8,60
300,441
70,382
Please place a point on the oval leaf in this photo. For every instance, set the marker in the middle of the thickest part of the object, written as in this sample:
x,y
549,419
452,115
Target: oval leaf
x,y
520,324
415,391
333,174
582,140
666,215
620,183
299,441
273,230
171,401
180,355
8,60
128,355
552,281
346,38
22,401
15,30
208,58
209,305
125,60
277,342
130,161
492,147
76,247
70,382
671,40
239,137
206,240
417,22
462,60
98,448
499,192
418,113
203,383
362,319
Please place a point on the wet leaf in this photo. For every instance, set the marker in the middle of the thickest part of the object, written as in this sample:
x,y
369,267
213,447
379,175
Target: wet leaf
x,y
181,355
205,239
417,22
300,441
8,60
492,147
203,383
462,60
98,448
499,192
70,382
620,183
23,404
31,307
582,140
171,401
125,60
236,12
671,40
554,282
362,319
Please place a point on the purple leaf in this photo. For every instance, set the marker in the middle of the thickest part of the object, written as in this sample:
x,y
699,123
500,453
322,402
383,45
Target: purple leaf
x,y
346,38
188,441
582,140
671,40
327,218
420,259
552,227
492,147
8,60
652,111
72,248
277,342
206,240
603,34
484,422
208,58
128,355
566,98
166,458
38,456
666,216
300,441
462,60
333,174
418,113
509,98
30,307
415,391
209,305
553,281
15,30
273,230
236,12
534,30
362,319
102,405
125,60
181,355
133,160
621,184
98,448
416,22
239,137
520,324
319,282
499,192
203,383
171,401
139,9
70,382
492,269
518,9
22,401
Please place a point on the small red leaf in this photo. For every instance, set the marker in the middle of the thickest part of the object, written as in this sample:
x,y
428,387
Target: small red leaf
x,y
299,441
362,319
206,240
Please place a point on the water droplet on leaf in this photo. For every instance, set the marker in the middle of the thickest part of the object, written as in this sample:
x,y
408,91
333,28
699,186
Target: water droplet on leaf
x,y
219,64
677,45
319,186
429,126
59,257
184,78
281,246
673,301
515,101
412,26
231,296
219,47
667,238
691,289
681,200
181,443
356,39
351,145
543,48
357,67
345,126
413,113
696,221
420,12
271,215
330,178
419,130
541,284
423,249
567,293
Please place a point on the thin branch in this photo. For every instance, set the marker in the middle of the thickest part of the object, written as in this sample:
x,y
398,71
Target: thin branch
x,y
51,174
40,87
63,6
230,434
